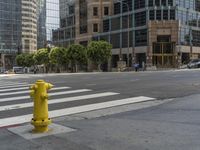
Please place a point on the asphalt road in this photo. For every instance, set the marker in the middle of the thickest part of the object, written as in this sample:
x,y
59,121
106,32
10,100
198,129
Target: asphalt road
x,y
160,85
155,125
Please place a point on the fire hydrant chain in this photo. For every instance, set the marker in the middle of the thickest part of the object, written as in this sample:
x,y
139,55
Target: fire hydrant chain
x,y
39,95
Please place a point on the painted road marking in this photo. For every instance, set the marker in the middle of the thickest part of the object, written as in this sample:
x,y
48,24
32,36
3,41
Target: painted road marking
x,y
13,85
14,89
75,110
50,94
61,100
28,91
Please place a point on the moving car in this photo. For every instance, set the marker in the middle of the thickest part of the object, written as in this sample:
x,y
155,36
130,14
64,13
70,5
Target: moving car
x,y
194,64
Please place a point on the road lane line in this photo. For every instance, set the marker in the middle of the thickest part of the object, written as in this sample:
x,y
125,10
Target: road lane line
x,y
28,91
50,94
61,100
75,110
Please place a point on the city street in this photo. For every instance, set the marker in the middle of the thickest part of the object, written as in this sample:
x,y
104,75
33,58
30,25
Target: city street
x,y
106,111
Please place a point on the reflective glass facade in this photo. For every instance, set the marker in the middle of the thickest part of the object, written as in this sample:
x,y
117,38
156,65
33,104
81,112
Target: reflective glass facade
x,y
10,26
48,20
52,17
186,11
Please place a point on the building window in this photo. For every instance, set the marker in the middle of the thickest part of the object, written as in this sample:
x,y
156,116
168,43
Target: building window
x,y
106,11
95,27
157,2
197,5
95,11
141,37
163,3
165,14
83,29
151,15
105,25
139,4
71,10
195,38
83,16
116,8
170,2
140,19
150,3
172,14
158,14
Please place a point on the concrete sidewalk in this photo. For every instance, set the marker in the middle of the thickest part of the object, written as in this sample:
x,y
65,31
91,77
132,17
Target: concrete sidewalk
x,y
161,125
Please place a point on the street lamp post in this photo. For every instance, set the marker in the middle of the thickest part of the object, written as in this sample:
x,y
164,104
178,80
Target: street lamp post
x,y
128,21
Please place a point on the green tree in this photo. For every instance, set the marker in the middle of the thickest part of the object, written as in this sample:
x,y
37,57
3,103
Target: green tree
x,y
99,52
77,55
25,60
42,58
29,60
20,59
58,57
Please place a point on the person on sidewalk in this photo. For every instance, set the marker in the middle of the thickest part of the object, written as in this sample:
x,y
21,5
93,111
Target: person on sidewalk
x,y
136,66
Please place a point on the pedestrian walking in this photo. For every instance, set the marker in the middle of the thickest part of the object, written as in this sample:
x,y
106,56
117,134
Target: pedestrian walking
x,y
136,66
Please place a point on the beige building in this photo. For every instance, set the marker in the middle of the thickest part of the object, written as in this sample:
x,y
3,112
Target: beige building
x,y
89,18
81,20
29,26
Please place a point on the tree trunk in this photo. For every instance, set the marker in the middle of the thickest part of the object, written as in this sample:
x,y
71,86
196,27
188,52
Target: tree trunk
x,y
99,67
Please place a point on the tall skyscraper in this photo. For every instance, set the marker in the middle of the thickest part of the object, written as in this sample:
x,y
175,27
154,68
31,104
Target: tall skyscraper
x,y
29,26
18,30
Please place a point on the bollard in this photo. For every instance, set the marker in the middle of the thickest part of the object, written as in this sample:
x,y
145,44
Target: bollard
x,y
39,94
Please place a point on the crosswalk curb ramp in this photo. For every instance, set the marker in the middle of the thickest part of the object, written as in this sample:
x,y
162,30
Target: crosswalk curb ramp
x,y
14,98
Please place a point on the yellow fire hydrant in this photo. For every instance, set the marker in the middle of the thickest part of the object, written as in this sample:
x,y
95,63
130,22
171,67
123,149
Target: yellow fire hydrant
x,y
40,119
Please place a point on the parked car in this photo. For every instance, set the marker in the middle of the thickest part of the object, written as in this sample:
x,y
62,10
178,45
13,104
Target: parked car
x,y
194,64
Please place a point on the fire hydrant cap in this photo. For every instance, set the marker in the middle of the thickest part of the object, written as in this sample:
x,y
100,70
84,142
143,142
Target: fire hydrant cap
x,y
40,80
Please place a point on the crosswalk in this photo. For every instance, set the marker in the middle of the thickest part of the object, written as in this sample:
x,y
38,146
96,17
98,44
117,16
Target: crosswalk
x,y
16,105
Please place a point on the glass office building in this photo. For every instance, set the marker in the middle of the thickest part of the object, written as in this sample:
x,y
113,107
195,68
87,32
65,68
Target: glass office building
x,y
10,31
162,33
48,20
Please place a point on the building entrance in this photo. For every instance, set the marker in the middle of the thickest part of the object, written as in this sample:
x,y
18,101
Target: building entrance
x,y
164,54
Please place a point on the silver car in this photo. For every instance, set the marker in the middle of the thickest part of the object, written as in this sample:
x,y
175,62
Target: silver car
x,y
194,64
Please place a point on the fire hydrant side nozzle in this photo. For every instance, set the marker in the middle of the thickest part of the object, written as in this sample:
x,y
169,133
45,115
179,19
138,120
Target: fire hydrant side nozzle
x,y
39,94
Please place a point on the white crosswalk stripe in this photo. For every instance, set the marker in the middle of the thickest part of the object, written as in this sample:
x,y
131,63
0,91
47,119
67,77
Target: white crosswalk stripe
x,y
91,101
15,86
50,94
3,85
26,92
61,100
